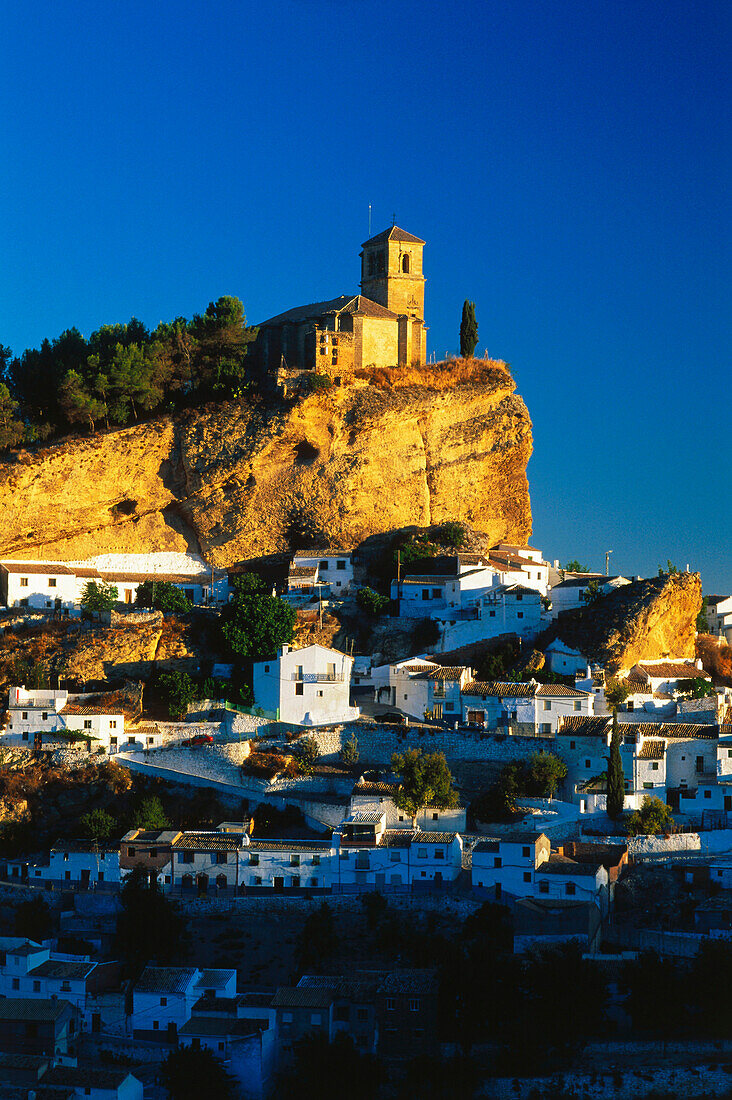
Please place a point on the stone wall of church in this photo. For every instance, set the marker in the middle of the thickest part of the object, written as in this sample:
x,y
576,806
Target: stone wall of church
x,y
379,342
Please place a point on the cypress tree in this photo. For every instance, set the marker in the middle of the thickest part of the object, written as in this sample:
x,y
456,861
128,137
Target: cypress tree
x,y
615,777
468,330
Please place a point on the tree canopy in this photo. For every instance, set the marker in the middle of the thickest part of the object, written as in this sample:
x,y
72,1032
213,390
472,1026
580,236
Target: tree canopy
x,y
425,780
652,818
189,1073
162,596
122,371
468,330
149,927
615,774
254,624
98,596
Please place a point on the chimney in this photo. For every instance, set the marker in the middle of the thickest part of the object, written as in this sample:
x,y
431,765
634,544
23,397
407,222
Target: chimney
x,y
284,650
556,564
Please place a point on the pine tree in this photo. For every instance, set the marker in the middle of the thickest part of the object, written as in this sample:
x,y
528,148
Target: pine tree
x,y
468,330
615,777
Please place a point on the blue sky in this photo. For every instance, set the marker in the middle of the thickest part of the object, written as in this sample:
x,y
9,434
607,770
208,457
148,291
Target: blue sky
x,y
566,163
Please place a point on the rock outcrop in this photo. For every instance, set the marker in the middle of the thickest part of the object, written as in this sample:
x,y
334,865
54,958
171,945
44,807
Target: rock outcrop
x,y
643,620
239,480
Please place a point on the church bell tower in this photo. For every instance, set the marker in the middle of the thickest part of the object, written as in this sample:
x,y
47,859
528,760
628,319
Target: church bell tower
x,y
391,275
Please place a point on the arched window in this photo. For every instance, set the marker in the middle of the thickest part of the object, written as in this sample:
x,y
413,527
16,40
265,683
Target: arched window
x,y
405,263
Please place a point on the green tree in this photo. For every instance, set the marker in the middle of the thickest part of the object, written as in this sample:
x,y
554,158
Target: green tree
x,y
702,625
178,691
615,774
163,596
545,772
669,571
151,814
498,803
99,596
574,566
149,926
371,601
317,939
190,1073
452,533
616,692
222,336
33,919
12,429
254,624
349,752
698,688
652,818
97,824
468,330
321,1069
425,780
308,752
77,403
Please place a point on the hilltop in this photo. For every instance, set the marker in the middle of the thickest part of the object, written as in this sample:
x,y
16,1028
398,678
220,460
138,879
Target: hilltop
x,y
244,478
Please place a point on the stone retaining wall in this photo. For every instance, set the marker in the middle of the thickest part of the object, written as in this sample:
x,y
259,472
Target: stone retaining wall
x,y
377,743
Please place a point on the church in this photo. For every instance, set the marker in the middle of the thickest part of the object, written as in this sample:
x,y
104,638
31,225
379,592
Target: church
x,y
383,326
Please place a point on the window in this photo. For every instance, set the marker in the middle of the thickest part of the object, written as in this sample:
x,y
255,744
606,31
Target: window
x,y
544,887
24,714
700,765
497,861
647,786
298,672
44,715
254,859
340,565
156,1025
545,727
435,817
294,861
323,565
51,582
163,1002
23,582
87,724
588,763
185,857
65,987
390,1004
316,1019
439,853
570,889
654,766
36,987
113,723
526,851
220,857
707,794
286,1017
519,596
421,853
492,614
257,880
519,614
436,593
577,704
67,876
527,876
266,668
298,689
547,704
394,857
573,744
395,880
414,1004
16,983
631,705
405,263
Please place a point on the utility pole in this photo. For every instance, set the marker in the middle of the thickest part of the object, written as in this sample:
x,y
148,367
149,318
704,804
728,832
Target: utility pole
x,y
607,562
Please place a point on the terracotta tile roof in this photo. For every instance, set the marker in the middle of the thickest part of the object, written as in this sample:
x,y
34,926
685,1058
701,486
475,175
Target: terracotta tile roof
x,y
47,569
563,865
298,571
346,303
433,838
321,554
66,971
669,670
522,836
165,979
487,846
689,729
288,845
204,842
393,234
397,838
580,725
641,729
501,689
406,982
303,997
33,1008
370,786
652,750
75,708
443,673
561,690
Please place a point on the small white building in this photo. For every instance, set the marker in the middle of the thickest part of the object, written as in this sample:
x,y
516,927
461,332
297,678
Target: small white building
x,y
718,611
564,659
206,861
368,856
82,863
524,565
667,676
306,687
426,690
444,596
164,996
523,865
529,708
31,714
32,971
284,865
333,570
574,591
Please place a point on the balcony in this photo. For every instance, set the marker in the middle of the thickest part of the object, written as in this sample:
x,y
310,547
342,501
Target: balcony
x,y
318,678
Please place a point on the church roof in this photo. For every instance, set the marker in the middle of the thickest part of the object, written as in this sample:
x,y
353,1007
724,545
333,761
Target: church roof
x,y
393,234
346,303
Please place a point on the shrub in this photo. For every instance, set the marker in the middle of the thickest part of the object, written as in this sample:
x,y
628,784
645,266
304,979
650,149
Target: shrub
x,y
652,818
307,753
451,533
319,383
349,752
438,377
371,601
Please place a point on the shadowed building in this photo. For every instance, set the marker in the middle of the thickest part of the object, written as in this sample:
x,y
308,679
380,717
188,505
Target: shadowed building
x,y
382,327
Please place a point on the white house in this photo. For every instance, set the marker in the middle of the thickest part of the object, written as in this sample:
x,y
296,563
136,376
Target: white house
x,y
206,861
59,586
522,565
573,591
529,708
503,609
164,996
564,659
35,972
307,687
667,676
79,862
95,1082
420,689
283,865
377,796
38,712
333,569
368,856
442,595
718,611
523,865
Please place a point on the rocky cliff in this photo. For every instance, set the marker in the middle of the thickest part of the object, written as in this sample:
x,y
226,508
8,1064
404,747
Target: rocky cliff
x,y
640,621
239,480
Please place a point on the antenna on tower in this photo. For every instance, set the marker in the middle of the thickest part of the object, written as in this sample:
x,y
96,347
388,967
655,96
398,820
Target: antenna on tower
x,y
393,220
369,219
